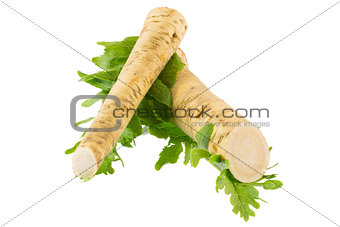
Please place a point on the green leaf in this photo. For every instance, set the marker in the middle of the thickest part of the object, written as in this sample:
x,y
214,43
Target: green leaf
x,y
110,76
168,129
203,136
82,135
84,121
106,166
197,154
161,93
169,154
241,195
272,184
126,138
218,162
132,131
73,149
169,74
271,176
160,111
188,148
90,79
145,113
135,125
92,101
115,54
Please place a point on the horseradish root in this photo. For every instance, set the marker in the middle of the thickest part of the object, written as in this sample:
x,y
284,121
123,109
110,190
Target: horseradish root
x,y
162,33
234,138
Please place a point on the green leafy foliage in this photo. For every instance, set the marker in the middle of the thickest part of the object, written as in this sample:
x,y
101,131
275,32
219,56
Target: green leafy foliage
x,y
168,130
169,74
106,166
196,154
242,196
98,83
203,136
161,93
165,130
115,54
157,102
90,102
218,162
154,116
272,184
188,148
132,131
169,154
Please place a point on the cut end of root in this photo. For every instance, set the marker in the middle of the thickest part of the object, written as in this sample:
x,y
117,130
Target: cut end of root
x,y
248,153
84,163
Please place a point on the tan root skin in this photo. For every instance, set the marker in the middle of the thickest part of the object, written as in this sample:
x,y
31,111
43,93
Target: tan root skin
x,y
162,33
245,147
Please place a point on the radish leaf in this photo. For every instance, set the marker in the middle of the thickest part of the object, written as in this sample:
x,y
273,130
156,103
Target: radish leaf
x,y
169,154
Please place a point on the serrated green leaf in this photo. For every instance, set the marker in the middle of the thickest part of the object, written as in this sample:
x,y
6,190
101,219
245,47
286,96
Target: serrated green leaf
x,y
188,148
203,136
241,195
196,154
169,74
272,184
161,93
126,138
218,162
132,131
169,154
115,54
110,76
102,84
168,129
145,113
90,102
135,125
106,166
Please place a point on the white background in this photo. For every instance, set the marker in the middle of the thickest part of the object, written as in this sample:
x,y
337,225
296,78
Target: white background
x,y
297,80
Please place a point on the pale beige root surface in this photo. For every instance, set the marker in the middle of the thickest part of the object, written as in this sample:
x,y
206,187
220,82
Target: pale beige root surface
x,y
84,162
235,139
163,30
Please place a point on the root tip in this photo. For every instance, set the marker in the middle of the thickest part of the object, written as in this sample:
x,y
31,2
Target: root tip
x,y
84,163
